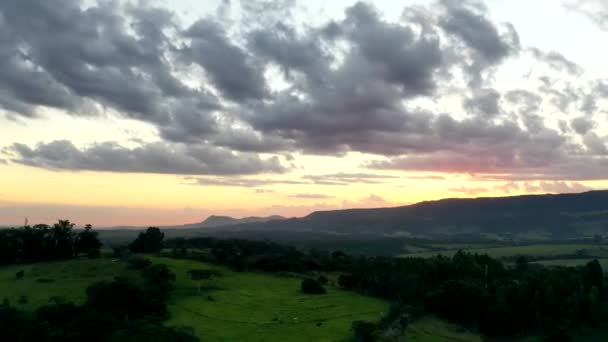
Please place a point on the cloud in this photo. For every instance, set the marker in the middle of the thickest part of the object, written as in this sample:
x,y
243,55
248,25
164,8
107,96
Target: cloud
x,y
310,196
425,177
469,191
152,158
371,201
557,61
348,178
468,22
595,10
556,187
241,182
582,125
221,91
264,191
230,67
486,103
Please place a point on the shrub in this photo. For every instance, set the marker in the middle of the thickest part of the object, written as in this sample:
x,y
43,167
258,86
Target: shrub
x,y
94,254
364,330
311,286
138,263
323,280
45,280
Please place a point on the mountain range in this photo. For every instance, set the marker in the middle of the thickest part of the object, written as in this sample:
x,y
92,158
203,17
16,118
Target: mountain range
x,y
561,215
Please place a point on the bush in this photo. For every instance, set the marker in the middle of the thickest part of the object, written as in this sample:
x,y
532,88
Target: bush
x,y
138,263
45,280
323,280
94,254
311,286
364,330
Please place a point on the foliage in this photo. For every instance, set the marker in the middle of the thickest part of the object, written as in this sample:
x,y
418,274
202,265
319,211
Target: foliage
x,y
150,241
43,243
311,286
116,310
87,242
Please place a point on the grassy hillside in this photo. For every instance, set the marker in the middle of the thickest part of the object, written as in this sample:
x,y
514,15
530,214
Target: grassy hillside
x,y
67,279
261,307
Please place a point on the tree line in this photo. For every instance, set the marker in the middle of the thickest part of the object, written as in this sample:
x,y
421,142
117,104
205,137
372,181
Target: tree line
x,y
473,290
120,310
42,242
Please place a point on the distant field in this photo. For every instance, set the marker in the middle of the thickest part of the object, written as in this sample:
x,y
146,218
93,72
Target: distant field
x,y
244,307
539,250
436,330
572,262
70,280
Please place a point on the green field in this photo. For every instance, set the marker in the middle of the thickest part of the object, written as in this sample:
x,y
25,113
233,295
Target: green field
x,y
572,262
70,280
244,307
539,250
435,330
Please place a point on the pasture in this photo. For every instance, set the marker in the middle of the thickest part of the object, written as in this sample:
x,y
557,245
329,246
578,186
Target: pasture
x,y
262,307
534,250
65,279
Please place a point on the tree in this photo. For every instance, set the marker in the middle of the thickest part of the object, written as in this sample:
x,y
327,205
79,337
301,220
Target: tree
x,y
150,241
311,286
87,241
62,238
200,275
594,276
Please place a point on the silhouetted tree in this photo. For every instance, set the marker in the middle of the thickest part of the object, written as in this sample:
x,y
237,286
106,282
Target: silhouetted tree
x,y
87,241
150,241
62,239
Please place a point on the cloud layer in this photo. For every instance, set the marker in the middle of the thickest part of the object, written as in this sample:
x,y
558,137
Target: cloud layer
x,y
232,97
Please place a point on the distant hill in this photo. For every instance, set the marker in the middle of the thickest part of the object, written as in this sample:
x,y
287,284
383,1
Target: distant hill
x,y
557,216
222,221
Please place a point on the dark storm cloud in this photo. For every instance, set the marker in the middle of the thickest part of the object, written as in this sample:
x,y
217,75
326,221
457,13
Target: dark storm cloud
x,y
557,61
153,158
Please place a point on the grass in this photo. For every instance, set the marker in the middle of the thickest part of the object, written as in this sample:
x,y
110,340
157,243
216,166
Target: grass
x,y
69,280
431,329
545,250
251,307
572,262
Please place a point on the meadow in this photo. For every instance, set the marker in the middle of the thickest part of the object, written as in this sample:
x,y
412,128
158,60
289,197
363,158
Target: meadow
x,y
261,307
546,251
63,279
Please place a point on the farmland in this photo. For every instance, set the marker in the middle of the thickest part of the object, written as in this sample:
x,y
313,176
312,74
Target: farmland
x,y
261,307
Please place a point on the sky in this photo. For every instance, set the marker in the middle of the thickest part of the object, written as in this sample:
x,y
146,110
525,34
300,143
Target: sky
x,y
133,112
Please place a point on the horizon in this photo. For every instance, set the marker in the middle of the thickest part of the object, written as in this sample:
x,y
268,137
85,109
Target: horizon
x,y
161,113
178,224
